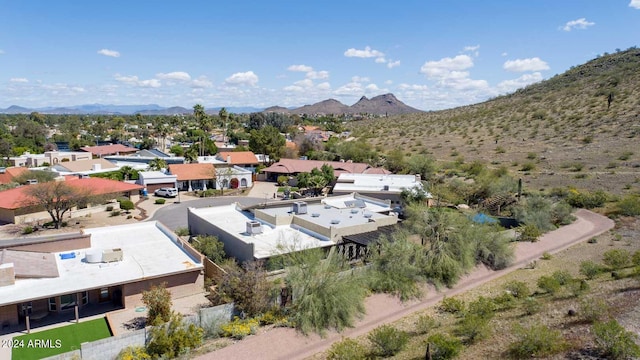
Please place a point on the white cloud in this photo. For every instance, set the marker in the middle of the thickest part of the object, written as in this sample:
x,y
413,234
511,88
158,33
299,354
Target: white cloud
x,y
176,75
508,86
317,75
581,24
635,4
110,53
521,65
201,83
18,80
445,67
360,79
359,86
392,64
324,86
368,52
135,81
300,68
242,78
381,60
474,49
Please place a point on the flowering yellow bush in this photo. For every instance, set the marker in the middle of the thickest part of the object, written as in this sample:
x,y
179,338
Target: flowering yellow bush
x,y
239,328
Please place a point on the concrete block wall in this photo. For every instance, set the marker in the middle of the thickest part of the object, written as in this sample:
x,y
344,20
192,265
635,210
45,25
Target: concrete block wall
x,y
109,348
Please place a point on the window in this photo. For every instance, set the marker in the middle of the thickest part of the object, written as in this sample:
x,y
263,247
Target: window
x,y
67,301
52,304
104,294
85,298
243,182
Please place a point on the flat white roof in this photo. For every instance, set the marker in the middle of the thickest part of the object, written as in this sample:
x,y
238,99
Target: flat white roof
x,y
373,182
148,252
272,241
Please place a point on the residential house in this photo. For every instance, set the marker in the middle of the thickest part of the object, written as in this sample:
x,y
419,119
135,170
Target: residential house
x,y
49,158
262,232
86,167
203,176
243,159
153,180
94,271
114,149
16,206
8,174
380,186
292,167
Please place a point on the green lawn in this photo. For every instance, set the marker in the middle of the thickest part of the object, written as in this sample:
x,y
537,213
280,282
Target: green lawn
x,y
46,343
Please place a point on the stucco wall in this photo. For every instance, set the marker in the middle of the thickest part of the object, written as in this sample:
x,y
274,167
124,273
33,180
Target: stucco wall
x,y
233,246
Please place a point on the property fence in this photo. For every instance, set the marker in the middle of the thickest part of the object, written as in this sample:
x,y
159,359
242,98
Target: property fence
x,y
210,319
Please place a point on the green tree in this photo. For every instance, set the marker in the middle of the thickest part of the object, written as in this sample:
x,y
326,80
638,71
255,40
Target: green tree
x,y
395,161
247,286
269,141
158,302
157,164
177,150
210,247
323,296
58,198
202,119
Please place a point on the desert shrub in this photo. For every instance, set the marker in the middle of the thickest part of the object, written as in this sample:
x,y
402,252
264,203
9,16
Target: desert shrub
x,y
27,230
549,284
585,199
535,341
562,276
518,289
173,338
158,302
115,213
473,327
347,349
615,341
239,328
425,323
528,232
561,214
127,205
546,256
625,155
616,259
629,206
443,347
635,259
209,246
531,306
160,201
452,305
181,231
593,309
590,269
283,180
505,301
387,340
578,287
109,208
528,166
133,353
247,286
482,307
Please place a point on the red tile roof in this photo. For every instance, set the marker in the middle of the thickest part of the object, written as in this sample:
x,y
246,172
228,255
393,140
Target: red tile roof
x,y
109,149
192,171
17,198
10,173
293,166
239,157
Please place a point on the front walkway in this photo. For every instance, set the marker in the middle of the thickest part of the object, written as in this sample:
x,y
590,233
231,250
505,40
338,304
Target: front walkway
x,y
285,343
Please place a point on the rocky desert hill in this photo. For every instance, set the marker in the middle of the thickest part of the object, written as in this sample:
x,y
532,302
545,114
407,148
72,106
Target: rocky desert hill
x,y
580,128
386,104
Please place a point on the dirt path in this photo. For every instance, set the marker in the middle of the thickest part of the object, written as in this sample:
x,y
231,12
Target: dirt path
x,y
284,343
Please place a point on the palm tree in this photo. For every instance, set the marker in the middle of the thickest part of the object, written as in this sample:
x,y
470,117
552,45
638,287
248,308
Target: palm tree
x,y
157,164
201,117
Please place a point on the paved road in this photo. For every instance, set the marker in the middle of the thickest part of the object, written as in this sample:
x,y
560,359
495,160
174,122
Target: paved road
x,y
175,215
286,343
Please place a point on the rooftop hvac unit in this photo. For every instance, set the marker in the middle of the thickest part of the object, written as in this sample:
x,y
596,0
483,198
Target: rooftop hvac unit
x,y
254,227
111,255
93,256
299,207
385,187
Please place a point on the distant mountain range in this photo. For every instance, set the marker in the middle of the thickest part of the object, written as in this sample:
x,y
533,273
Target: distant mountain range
x,y
386,104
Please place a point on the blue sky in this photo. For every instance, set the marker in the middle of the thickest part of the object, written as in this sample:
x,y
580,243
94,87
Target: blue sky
x,y
430,54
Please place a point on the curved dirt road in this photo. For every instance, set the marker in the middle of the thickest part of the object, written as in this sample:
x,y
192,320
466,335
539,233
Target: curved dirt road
x,y
285,343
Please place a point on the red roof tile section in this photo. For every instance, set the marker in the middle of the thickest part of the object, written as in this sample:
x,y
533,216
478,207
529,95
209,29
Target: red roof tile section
x,y
192,171
293,166
10,173
239,157
114,149
17,198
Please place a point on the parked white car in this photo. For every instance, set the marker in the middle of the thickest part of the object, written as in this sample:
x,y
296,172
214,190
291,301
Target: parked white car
x,y
166,192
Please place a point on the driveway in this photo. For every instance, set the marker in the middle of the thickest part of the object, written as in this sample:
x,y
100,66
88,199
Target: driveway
x,y
285,343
